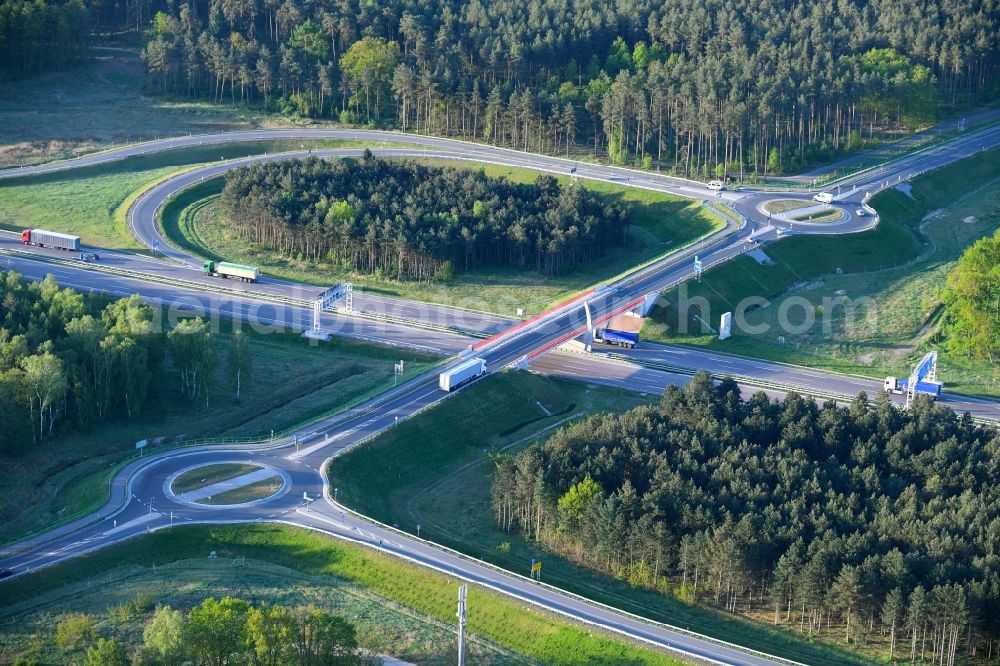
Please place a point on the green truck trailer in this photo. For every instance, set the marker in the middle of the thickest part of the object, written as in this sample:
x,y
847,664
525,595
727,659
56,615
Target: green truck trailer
x,y
228,270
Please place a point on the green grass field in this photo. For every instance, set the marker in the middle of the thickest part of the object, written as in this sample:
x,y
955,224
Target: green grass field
x,y
100,104
660,223
209,474
401,609
248,493
293,381
881,312
436,471
91,202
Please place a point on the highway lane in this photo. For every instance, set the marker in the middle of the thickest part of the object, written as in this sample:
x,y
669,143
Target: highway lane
x,y
142,217
261,316
450,317
598,366
509,350
150,508
266,317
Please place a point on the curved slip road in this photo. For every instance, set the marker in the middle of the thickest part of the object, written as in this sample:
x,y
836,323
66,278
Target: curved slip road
x,y
131,511
142,217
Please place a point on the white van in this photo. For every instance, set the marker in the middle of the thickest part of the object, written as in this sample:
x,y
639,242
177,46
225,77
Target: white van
x,y
716,185
823,197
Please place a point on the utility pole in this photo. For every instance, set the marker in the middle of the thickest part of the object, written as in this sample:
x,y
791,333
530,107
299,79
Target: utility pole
x,y
462,591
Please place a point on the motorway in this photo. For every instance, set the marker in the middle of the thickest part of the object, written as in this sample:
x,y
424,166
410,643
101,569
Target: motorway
x,y
140,502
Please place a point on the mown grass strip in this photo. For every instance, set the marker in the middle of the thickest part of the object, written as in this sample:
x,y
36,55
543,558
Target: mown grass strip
x,y
523,629
436,470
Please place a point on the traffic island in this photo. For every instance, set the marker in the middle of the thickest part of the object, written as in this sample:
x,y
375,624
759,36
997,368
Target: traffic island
x,y
226,485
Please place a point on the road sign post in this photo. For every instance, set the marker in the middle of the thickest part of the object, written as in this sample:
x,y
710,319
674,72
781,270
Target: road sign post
x,y
725,325
462,618
697,268
141,445
536,569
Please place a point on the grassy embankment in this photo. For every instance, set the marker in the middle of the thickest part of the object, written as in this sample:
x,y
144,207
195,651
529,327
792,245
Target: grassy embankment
x,y
921,235
293,381
91,202
659,223
436,471
101,104
399,608
209,474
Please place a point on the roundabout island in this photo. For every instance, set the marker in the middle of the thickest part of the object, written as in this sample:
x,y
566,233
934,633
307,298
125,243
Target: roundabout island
x,y
226,485
279,483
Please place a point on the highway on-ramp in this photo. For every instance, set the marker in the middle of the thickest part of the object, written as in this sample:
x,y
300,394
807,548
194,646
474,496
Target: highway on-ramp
x,y
140,501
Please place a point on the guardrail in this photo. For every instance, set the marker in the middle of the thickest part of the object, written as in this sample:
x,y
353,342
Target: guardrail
x,y
279,439
833,177
153,277
411,323
260,296
324,473
784,387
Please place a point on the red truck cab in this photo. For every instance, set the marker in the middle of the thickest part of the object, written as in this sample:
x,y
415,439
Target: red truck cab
x,y
26,236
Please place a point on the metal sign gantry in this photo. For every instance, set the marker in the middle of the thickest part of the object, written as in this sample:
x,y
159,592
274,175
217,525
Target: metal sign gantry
x,y
343,291
926,370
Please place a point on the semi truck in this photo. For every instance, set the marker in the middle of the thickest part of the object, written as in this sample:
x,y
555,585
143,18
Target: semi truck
x,y
610,336
227,270
898,385
43,238
462,374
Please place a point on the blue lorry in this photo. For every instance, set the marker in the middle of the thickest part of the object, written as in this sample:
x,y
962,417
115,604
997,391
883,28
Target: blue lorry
x,y
898,385
610,336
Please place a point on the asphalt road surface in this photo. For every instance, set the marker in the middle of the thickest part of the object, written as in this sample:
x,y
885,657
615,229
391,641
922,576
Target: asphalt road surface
x,y
139,502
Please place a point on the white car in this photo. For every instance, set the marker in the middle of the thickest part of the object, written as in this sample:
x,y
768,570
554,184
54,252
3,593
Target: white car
x,y
823,197
860,212
716,185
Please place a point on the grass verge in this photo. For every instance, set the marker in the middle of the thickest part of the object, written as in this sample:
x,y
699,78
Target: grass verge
x,y
436,471
100,104
293,380
659,223
538,636
864,303
209,474
91,201
120,599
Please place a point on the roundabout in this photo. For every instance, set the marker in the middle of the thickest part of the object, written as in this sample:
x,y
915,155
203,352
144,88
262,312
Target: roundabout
x,y
280,483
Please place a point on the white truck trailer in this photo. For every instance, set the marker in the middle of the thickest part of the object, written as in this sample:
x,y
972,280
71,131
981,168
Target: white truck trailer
x,y
461,374
43,238
227,270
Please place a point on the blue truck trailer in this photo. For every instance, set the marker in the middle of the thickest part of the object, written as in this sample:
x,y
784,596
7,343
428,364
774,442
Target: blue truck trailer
x,y
899,385
610,336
